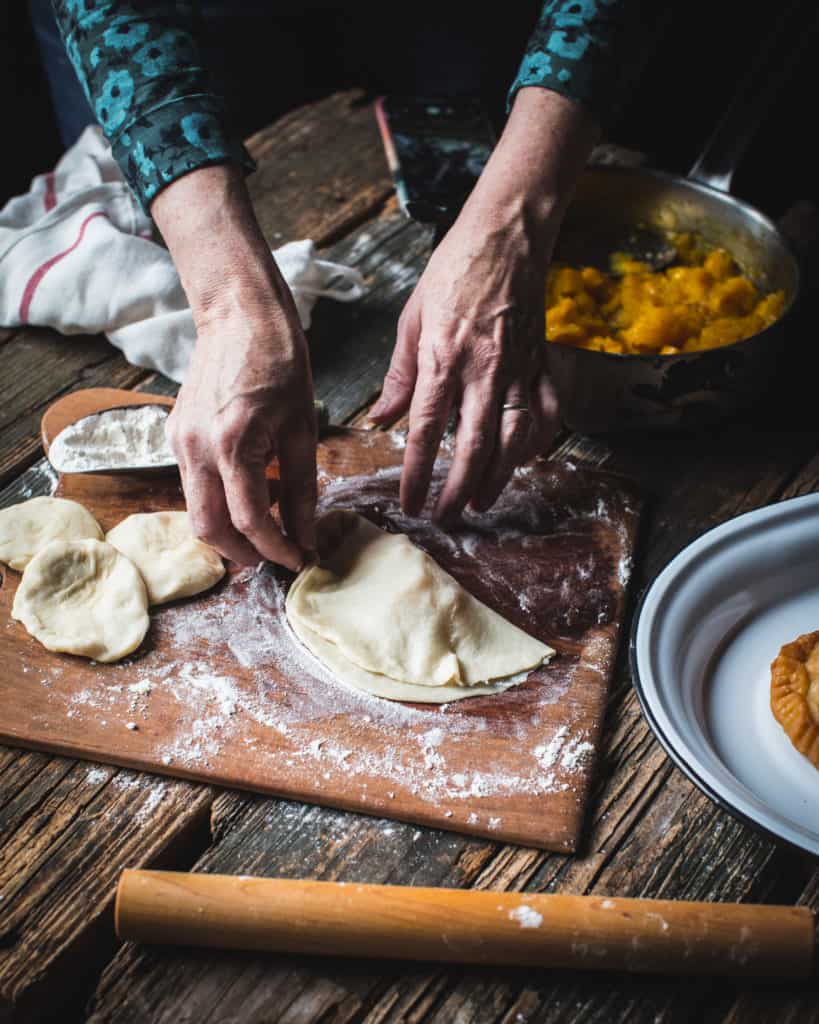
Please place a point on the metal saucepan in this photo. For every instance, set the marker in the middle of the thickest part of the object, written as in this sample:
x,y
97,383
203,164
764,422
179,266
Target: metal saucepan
x,y
600,391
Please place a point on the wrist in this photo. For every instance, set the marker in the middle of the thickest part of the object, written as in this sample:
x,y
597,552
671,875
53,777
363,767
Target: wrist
x,y
539,157
224,263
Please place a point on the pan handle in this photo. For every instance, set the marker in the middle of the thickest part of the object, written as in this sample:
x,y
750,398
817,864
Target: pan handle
x,y
774,64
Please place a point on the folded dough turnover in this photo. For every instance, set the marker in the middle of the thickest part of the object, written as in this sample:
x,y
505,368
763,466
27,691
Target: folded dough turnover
x,y
380,607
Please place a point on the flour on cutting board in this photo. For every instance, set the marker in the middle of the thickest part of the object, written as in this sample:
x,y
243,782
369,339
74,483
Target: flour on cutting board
x,y
422,750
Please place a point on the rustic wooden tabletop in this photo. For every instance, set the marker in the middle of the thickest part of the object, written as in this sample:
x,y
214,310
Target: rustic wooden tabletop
x,y
67,828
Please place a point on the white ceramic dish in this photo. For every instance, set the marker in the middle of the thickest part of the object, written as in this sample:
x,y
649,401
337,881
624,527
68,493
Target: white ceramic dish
x,y
703,640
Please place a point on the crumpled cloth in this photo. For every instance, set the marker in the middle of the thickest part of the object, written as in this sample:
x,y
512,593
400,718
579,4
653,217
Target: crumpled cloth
x,y
78,254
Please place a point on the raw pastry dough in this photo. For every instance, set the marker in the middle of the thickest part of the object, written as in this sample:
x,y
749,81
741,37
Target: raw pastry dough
x,y
83,597
385,618
795,693
172,561
26,528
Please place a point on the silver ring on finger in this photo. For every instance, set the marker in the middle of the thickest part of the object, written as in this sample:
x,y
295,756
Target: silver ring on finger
x,y
515,407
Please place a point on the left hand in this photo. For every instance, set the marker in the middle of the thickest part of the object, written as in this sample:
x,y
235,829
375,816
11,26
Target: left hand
x,y
471,337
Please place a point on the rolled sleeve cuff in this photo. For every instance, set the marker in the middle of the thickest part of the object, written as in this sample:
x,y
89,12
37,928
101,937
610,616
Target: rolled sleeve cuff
x,y
592,53
172,140
599,91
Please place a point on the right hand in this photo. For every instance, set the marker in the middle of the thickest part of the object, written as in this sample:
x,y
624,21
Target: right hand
x,y
248,396
248,391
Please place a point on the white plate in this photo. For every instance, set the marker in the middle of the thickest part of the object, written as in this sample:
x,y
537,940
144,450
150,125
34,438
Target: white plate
x,y
704,637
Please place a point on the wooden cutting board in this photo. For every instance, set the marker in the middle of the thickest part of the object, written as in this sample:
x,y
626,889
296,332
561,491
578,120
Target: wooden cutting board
x,y
222,692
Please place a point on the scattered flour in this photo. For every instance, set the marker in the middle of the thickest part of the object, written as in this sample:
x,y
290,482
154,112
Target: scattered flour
x,y
229,675
527,917
131,436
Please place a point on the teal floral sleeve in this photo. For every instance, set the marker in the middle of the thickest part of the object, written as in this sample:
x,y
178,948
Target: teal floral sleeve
x,y
140,68
591,51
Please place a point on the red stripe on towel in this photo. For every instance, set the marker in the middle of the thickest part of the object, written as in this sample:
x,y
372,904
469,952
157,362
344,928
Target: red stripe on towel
x,y
43,269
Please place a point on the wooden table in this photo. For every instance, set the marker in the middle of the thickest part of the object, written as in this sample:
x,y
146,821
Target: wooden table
x,y
67,828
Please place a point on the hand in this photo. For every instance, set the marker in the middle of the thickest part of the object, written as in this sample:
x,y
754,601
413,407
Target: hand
x,y
470,338
472,334
248,391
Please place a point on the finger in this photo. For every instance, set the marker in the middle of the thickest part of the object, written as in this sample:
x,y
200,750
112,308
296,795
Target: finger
x,y
298,493
545,416
429,411
210,518
474,445
400,379
511,446
247,500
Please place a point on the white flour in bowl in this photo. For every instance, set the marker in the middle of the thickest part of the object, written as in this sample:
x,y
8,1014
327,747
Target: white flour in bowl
x,y
118,438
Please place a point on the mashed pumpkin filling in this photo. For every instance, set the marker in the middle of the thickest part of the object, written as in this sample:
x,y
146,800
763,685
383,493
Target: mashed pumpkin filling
x,y
703,301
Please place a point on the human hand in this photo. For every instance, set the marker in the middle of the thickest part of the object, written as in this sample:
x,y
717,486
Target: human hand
x,y
248,391
471,337
472,334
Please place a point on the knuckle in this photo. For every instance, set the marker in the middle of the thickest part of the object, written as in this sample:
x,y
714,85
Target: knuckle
x,y
477,441
246,521
424,431
204,528
396,376
436,361
185,438
434,392
225,439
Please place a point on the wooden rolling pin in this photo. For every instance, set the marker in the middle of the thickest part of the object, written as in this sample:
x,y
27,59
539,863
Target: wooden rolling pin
x,y
464,926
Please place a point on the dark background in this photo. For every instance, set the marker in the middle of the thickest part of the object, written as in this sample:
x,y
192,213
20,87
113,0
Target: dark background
x,y
686,85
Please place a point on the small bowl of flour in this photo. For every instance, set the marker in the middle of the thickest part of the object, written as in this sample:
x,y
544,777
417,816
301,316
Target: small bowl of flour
x,y
128,439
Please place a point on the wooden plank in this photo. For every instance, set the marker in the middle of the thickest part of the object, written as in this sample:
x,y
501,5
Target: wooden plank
x,y
38,366
321,170
7,333
651,833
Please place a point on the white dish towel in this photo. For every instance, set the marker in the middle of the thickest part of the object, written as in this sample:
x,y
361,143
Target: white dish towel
x,y
77,253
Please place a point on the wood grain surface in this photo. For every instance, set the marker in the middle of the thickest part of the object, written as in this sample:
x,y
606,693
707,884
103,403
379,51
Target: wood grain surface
x,y
221,692
68,827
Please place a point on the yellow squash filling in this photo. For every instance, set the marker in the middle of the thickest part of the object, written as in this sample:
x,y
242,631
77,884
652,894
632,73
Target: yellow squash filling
x,y
701,302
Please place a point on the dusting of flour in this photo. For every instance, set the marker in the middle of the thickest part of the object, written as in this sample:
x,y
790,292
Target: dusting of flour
x,y
229,676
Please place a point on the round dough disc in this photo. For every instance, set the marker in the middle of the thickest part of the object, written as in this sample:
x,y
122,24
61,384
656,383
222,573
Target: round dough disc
x,y
172,561
26,528
83,597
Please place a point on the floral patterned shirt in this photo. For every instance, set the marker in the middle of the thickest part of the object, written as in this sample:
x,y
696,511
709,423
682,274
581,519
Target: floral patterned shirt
x,y
142,72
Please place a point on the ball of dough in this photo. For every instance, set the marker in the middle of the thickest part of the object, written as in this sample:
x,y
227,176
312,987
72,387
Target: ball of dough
x,y
26,528
172,561
83,597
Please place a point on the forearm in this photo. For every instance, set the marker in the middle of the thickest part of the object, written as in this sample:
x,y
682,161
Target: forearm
x,y
529,180
541,153
140,66
208,224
